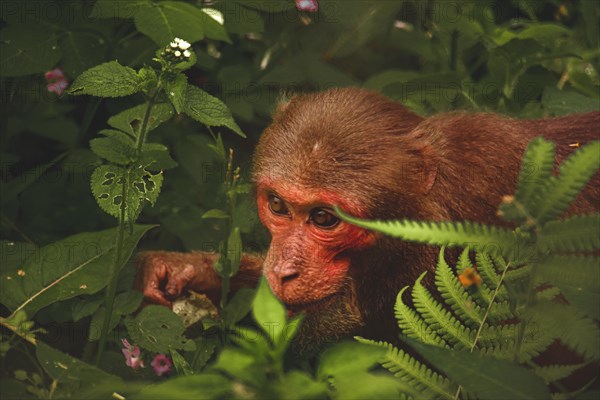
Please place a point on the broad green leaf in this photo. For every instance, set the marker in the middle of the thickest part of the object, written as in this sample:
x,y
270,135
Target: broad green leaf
x,y
209,386
69,370
165,21
110,79
567,101
86,307
299,385
181,365
175,89
239,364
27,50
111,185
158,329
241,20
156,157
116,149
239,306
73,266
348,357
130,120
208,110
213,26
268,311
81,50
383,79
485,377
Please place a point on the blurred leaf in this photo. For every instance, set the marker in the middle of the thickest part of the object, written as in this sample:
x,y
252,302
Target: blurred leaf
x,y
562,102
268,311
159,330
299,385
348,357
239,306
175,88
110,79
27,50
165,21
213,25
209,386
269,6
81,50
70,267
117,8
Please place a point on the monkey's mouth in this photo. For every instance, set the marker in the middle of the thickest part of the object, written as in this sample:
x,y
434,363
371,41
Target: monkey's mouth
x,y
310,306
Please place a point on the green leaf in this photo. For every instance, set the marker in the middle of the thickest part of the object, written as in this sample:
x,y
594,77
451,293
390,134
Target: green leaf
x,y
237,363
165,21
209,386
116,149
117,8
112,185
239,306
216,214
553,373
485,377
175,89
268,311
348,357
130,120
69,370
234,251
574,174
213,25
299,385
412,325
156,157
181,365
490,239
576,234
158,329
27,50
269,6
110,79
208,110
74,266
536,168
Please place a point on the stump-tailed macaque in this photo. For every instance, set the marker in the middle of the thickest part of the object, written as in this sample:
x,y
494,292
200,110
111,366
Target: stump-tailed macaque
x,y
375,159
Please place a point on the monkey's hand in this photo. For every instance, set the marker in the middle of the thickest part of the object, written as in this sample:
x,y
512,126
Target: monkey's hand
x,y
163,276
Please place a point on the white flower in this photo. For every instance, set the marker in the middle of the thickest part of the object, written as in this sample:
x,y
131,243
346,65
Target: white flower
x,y
183,45
187,54
177,53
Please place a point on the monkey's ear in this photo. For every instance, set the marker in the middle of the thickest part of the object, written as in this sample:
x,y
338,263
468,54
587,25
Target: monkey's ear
x,y
285,97
429,169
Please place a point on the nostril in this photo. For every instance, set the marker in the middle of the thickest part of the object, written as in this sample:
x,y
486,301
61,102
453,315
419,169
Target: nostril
x,y
288,278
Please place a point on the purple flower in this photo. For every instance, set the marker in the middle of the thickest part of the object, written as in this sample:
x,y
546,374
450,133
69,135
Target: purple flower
x,y
132,355
56,80
161,364
307,5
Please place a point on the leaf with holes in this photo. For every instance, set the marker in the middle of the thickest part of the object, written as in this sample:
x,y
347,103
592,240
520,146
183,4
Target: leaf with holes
x,y
111,184
158,329
130,120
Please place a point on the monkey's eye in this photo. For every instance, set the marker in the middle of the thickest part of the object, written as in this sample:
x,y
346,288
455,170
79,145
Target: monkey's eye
x,y
277,206
323,218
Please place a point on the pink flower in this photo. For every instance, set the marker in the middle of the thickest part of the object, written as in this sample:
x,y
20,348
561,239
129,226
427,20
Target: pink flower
x,y
307,5
57,82
132,355
161,364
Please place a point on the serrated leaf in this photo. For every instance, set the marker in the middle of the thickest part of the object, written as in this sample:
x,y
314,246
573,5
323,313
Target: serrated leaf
x,y
208,110
165,21
112,185
576,234
116,149
73,266
268,311
130,120
110,79
158,329
27,50
175,89
536,168
156,157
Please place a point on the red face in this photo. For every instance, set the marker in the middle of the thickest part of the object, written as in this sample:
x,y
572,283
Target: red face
x,y
308,260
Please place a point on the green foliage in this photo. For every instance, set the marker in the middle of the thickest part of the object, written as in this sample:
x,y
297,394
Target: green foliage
x,y
488,318
110,79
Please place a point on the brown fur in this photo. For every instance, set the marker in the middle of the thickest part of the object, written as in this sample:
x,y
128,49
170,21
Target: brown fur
x,y
394,164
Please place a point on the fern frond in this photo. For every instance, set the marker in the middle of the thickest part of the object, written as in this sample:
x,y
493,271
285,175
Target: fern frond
x,y
536,168
576,234
574,173
455,295
413,326
521,274
494,240
488,272
439,319
570,271
426,382
499,341
570,326
553,373
464,261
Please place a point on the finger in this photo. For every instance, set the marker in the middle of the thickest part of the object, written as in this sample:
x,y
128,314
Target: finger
x,y
178,281
153,294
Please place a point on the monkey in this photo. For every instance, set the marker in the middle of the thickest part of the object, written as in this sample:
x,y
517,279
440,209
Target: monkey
x,y
374,158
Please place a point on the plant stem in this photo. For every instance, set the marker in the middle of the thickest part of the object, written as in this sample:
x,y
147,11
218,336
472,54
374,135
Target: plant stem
x,y
483,320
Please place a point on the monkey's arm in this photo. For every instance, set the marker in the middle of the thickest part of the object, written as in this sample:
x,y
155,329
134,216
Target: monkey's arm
x,y
163,276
